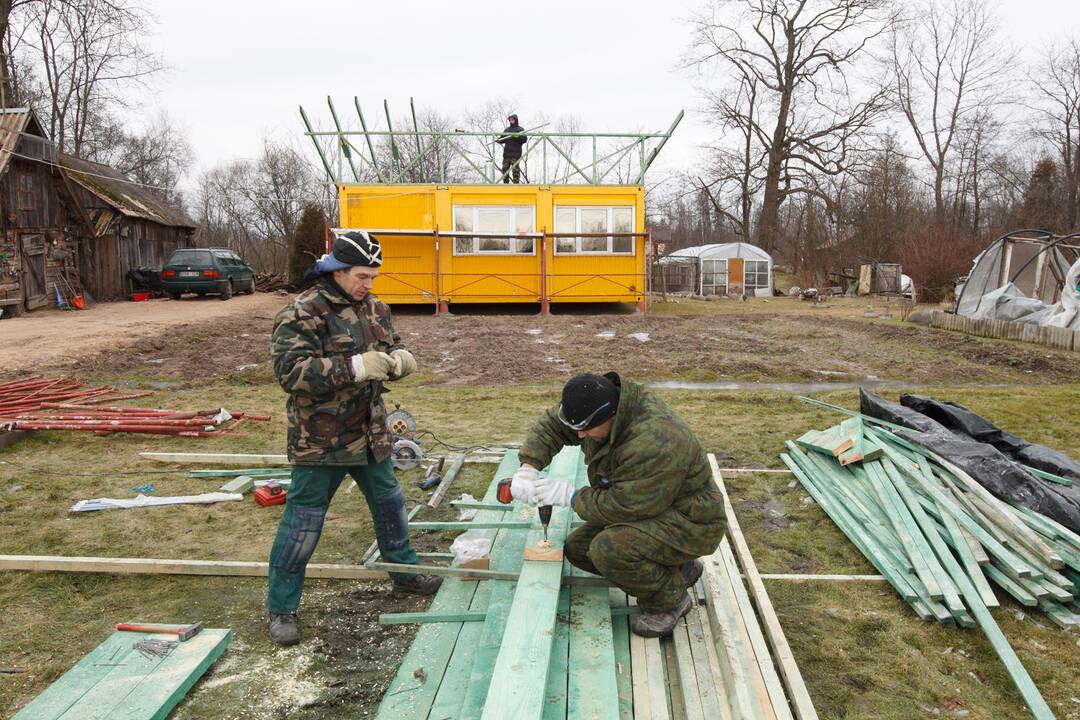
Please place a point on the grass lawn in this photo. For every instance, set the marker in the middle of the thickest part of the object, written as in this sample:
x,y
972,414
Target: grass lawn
x,y
863,652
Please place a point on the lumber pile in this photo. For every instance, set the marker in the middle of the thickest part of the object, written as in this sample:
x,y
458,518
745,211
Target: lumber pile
x,y
38,403
534,638
941,539
270,282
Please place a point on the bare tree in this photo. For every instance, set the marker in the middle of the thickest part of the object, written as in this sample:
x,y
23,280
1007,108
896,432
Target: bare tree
x,y
85,54
798,55
1057,82
946,66
157,156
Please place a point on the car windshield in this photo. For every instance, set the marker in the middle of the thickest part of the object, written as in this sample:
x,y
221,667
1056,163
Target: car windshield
x,y
191,257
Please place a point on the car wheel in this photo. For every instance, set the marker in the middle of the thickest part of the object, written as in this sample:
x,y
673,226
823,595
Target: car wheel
x,y
174,295
226,290
251,285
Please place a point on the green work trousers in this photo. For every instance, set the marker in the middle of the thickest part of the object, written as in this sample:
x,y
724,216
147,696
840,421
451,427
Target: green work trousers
x,y
635,562
312,488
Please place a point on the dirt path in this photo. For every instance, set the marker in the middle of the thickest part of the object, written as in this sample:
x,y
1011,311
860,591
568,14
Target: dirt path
x,y
57,338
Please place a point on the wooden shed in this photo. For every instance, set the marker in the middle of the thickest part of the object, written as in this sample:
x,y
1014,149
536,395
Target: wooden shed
x,y
126,227
36,250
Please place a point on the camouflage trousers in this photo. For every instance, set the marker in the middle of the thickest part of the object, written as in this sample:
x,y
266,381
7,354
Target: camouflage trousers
x,y
312,488
636,563
515,164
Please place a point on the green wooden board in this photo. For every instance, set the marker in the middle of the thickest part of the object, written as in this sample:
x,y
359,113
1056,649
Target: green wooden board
x,y
413,690
592,688
115,681
620,638
555,695
519,680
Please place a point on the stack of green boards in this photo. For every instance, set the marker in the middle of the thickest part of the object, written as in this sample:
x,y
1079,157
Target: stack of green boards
x,y
939,537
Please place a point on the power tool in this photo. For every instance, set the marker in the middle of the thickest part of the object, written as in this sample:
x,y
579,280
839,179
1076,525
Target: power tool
x,y
503,495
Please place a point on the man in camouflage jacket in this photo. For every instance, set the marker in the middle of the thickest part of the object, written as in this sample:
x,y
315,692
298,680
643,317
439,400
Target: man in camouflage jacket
x,y
651,507
333,347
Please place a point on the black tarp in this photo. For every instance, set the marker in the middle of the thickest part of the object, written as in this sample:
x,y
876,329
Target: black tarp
x,y
960,420
982,461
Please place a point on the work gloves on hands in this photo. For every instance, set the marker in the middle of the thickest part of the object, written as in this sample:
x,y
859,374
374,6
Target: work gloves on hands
x,y
553,492
372,365
523,484
404,364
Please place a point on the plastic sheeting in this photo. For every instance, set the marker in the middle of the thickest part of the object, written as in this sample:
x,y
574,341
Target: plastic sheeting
x,y
983,462
1010,303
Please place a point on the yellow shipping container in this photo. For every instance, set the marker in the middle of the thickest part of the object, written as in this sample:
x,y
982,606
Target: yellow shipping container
x,y
504,243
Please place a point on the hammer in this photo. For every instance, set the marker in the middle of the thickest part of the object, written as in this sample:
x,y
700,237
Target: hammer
x,y
183,632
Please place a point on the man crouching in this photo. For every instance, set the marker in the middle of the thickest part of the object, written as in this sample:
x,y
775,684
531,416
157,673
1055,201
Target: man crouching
x,y
651,508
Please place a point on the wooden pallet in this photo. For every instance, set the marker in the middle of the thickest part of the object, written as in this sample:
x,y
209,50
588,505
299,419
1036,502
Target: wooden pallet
x,y
548,643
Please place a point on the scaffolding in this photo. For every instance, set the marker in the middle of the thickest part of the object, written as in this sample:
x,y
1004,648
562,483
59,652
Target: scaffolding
x,y
460,157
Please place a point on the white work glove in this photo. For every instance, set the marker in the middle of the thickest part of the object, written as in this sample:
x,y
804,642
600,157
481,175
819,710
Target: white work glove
x,y
554,492
523,484
372,365
404,364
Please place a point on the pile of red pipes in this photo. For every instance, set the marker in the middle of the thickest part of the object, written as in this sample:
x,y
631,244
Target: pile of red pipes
x,y
38,403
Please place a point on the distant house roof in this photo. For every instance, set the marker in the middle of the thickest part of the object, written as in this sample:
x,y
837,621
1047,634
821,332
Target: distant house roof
x,y
14,122
126,196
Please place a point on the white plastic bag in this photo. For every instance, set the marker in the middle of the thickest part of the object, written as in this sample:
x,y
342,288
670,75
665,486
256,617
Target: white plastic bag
x,y
471,545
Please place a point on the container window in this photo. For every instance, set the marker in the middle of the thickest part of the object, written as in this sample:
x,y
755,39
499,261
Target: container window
x,y
756,274
594,220
499,224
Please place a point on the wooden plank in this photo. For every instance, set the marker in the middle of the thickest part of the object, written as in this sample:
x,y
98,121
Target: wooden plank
x,y
798,577
475,524
245,460
239,484
516,691
713,660
620,639
116,681
592,689
659,698
710,693
671,675
640,679
455,682
556,693
688,681
775,704
153,566
413,690
795,687
421,618
447,480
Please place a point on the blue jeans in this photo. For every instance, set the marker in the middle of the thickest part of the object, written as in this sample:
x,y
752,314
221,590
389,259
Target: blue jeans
x,y
312,488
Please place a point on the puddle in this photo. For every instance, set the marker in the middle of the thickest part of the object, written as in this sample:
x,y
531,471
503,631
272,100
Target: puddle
x,y
798,388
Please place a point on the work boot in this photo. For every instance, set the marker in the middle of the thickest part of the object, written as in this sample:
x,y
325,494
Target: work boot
x,y
283,629
418,584
662,623
691,571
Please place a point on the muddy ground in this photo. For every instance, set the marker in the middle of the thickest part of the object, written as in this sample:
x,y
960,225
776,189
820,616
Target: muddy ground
x,y
499,350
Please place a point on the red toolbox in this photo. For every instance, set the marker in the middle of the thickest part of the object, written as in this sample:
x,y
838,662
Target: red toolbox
x,y
270,494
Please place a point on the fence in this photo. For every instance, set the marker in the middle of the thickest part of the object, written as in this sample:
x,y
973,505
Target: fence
x,y
1055,337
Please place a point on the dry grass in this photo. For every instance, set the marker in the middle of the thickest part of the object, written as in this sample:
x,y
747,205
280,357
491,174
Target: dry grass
x,y
863,652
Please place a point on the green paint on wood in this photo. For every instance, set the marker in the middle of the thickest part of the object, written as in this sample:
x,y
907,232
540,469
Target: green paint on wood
x,y
115,681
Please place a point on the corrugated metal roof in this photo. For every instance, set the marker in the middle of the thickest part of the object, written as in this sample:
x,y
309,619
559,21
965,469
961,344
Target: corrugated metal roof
x,y
128,197
13,122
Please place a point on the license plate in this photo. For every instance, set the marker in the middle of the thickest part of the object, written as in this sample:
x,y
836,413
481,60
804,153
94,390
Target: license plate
x,y
188,273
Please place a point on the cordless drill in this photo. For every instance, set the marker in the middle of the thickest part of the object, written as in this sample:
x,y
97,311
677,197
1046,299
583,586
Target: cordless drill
x,y
504,496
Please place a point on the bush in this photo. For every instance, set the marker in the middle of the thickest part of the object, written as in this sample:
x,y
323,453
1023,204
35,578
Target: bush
x,y
934,259
308,244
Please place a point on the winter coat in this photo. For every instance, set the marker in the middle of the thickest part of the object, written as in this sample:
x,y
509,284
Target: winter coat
x,y
512,145
650,472
333,419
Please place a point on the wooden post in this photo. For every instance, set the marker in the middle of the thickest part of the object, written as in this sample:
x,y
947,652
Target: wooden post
x,y
545,309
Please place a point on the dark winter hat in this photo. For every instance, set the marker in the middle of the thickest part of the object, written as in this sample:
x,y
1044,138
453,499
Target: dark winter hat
x,y
357,248
589,400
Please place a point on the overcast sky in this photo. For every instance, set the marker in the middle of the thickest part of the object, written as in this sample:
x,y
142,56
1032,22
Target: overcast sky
x,y
239,69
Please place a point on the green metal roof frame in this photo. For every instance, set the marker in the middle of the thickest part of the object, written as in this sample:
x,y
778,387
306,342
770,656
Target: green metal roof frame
x,y
588,163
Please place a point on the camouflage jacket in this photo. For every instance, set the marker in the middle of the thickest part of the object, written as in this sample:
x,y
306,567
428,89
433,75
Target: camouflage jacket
x,y
650,472
333,419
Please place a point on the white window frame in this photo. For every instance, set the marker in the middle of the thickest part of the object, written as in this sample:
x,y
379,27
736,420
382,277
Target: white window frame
x,y
756,274
475,210
714,273
610,239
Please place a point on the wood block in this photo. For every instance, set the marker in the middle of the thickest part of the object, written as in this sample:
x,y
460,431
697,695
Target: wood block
x,y
544,554
241,484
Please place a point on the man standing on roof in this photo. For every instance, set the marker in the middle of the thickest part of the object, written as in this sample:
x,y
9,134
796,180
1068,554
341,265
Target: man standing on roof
x,y
651,507
512,144
333,347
